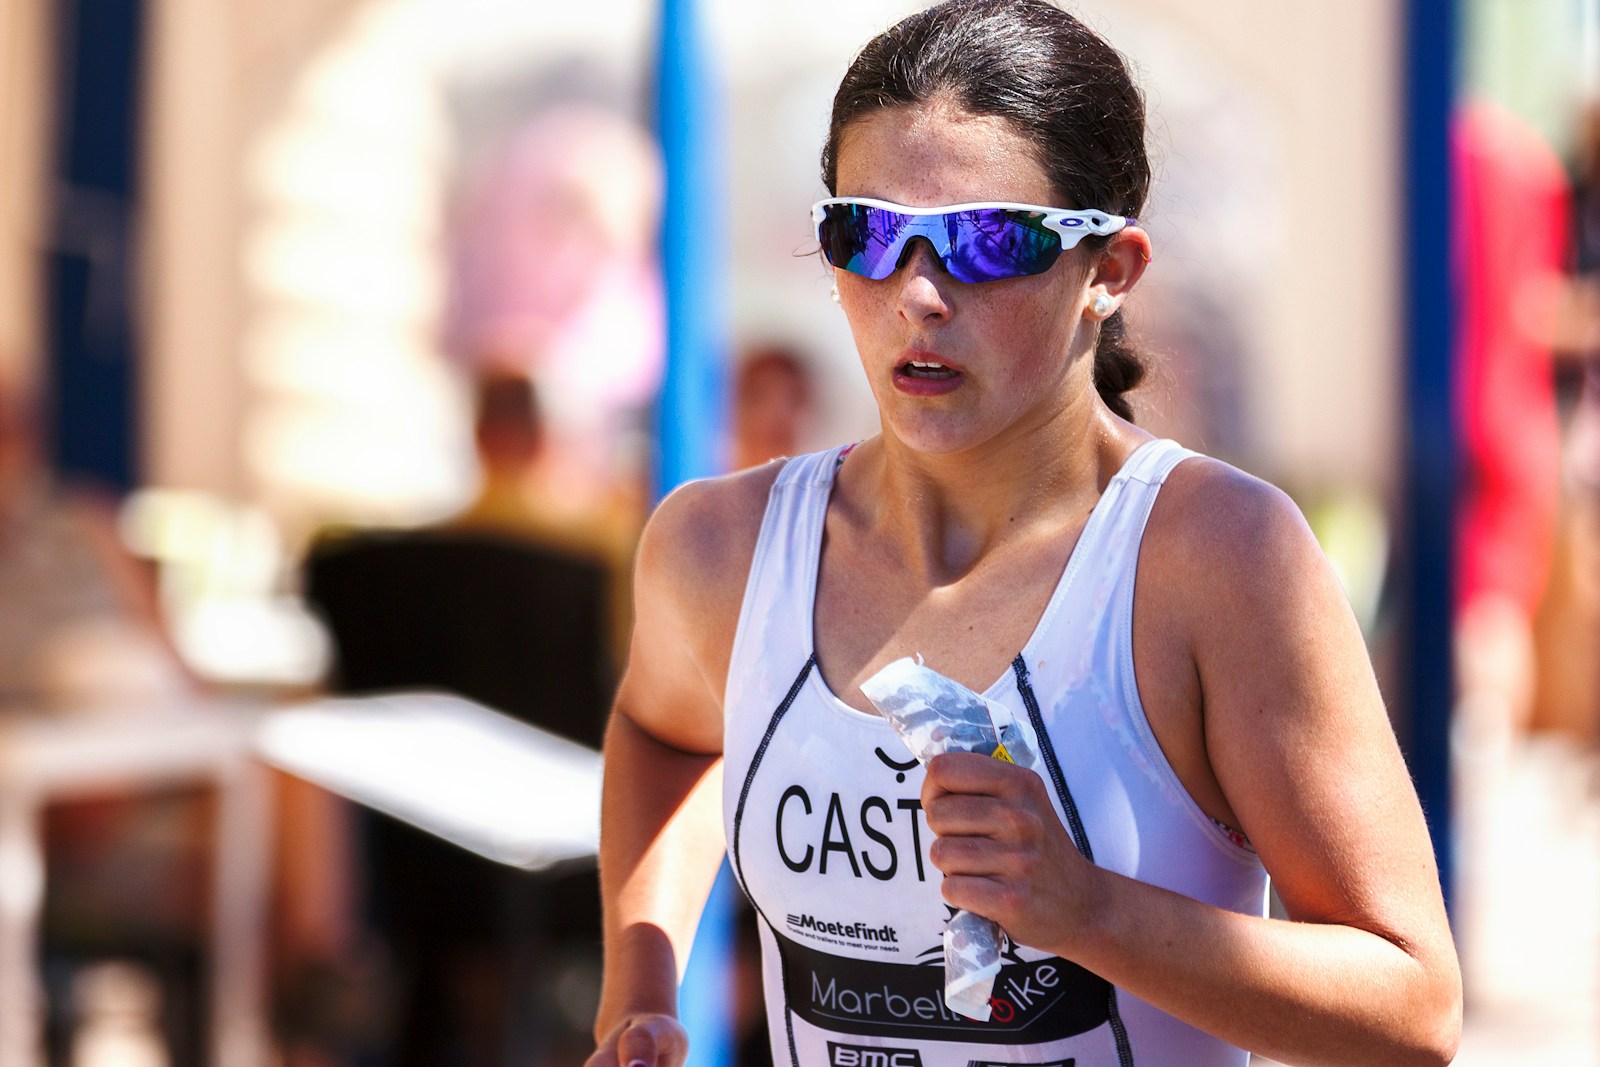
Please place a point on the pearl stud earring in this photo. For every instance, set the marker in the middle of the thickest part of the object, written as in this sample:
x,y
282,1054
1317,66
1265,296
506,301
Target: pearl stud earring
x,y
1101,305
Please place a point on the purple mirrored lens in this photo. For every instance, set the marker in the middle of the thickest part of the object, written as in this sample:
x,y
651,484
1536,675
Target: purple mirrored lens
x,y
859,239
984,244
993,243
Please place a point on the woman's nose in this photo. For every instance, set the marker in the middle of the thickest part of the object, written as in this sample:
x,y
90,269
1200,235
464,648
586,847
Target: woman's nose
x,y
922,280
919,246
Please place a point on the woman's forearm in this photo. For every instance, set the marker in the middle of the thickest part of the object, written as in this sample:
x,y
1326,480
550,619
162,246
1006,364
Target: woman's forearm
x,y
1301,993
1371,981
659,851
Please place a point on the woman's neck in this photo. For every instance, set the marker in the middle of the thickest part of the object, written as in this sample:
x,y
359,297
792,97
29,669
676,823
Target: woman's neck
x,y
957,508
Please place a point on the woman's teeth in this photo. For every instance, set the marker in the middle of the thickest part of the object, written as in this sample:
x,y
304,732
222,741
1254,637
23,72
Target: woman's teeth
x,y
918,369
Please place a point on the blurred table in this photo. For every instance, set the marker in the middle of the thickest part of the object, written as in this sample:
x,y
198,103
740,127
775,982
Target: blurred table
x,y
486,782
510,792
45,759
490,784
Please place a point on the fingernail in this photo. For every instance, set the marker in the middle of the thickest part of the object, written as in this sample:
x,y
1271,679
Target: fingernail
x,y
637,1063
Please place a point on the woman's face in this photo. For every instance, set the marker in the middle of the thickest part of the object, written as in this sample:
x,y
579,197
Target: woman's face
x,y
1014,354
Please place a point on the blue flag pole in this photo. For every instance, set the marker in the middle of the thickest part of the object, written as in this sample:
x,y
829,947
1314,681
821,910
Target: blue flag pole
x,y
690,413
1431,453
694,249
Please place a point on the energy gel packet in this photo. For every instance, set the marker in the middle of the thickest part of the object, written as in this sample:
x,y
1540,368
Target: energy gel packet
x,y
934,714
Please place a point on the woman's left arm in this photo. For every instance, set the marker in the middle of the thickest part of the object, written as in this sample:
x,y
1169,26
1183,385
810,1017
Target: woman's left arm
x,y
1364,970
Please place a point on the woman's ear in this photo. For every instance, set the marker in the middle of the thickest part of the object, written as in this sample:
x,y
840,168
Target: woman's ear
x,y
1117,270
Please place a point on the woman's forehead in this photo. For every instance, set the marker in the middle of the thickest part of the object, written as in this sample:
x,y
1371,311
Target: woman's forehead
x,y
938,153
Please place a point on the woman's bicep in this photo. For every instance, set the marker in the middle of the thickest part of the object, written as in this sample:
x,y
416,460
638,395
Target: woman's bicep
x,y
689,578
664,690
1300,742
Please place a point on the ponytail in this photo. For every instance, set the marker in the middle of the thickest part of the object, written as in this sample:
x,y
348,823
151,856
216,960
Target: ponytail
x,y
1118,367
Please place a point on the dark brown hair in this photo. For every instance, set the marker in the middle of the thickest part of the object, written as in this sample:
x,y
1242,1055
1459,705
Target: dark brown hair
x,y
1057,83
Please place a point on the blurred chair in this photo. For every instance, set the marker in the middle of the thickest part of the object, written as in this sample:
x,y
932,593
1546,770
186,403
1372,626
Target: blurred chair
x,y
508,623
81,634
484,955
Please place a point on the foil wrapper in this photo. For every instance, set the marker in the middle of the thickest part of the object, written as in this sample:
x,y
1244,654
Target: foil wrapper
x,y
934,714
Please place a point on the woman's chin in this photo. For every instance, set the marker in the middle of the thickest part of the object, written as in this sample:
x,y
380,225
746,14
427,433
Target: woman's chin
x,y
935,437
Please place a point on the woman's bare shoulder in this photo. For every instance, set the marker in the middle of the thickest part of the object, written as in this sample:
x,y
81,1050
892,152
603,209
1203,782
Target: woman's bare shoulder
x,y
689,577
1231,570
1222,521
702,536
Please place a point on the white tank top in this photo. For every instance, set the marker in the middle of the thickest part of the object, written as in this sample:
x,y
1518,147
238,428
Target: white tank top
x,y
825,830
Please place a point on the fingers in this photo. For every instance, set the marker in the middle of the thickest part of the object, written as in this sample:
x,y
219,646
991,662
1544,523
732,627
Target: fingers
x,y
964,813
970,855
968,772
636,1047
989,819
643,1041
654,1041
1023,853
966,794
981,896
604,1056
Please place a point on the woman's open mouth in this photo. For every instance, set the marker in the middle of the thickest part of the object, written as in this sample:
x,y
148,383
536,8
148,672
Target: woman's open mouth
x,y
926,377
929,371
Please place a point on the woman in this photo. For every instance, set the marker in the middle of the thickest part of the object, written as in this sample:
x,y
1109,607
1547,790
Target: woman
x,y
1210,723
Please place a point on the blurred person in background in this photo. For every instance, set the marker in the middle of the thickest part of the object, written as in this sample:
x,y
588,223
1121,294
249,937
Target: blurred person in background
x,y
1567,697
522,489
1512,221
510,436
1580,574
1582,466
774,404
507,604
1214,723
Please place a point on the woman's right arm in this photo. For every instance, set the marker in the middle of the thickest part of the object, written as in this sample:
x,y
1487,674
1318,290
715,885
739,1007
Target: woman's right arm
x,y
661,828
